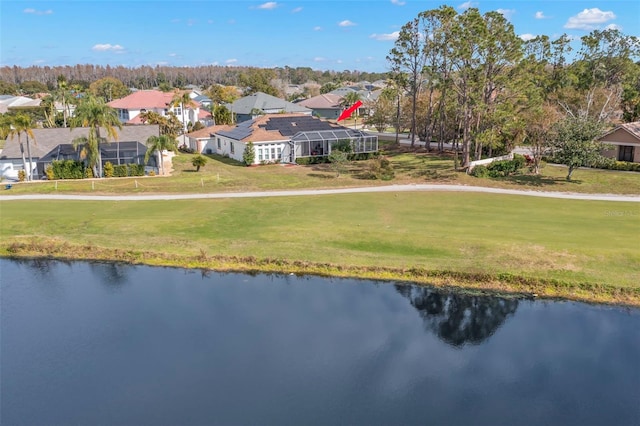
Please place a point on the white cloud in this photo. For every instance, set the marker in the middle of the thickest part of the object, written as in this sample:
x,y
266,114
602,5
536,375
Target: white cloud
x,y
467,5
39,61
268,5
527,37
540,15
613,27
346,23
173,54
385,37
339,61
398,2
161,63
589,19
38,12
317,28
231,61
319,59
507,13
209,21
296,10
107,47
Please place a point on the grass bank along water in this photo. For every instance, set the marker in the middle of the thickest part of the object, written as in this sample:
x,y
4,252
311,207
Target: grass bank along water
x,y
577,249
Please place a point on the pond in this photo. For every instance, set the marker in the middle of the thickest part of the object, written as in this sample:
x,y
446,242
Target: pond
x,y
111,344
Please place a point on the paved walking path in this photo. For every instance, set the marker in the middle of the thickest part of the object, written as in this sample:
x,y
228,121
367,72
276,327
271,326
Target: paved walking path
x,y
304,192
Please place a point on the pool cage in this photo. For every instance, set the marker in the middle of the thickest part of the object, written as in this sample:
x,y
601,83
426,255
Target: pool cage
x,y
319,143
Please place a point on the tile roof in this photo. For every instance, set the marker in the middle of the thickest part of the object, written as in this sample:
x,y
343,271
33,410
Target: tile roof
x,y
203,113
207,132
47,139
144,99
264,102
325,101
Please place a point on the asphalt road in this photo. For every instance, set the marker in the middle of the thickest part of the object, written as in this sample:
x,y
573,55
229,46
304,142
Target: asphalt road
x,y
306,192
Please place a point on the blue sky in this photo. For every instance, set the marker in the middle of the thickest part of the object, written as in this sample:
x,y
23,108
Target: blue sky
x,y
321,34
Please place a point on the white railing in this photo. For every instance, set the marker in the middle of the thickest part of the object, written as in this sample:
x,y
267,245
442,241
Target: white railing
x,y
472,164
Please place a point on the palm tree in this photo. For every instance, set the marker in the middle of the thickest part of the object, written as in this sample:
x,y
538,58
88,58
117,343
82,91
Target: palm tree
x,y
64,96
199,161
183,99
19,124
160,143
94,113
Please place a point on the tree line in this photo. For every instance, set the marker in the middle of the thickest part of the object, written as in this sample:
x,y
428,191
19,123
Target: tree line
x,y
148,77
468,78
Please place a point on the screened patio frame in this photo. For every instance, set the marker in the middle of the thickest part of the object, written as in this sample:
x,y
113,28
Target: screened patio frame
x,y
318,143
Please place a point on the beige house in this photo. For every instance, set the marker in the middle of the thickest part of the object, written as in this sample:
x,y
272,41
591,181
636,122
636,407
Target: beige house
x,y
624,141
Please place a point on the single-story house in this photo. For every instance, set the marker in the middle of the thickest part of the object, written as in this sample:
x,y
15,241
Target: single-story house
x,y
287,137
252,106
327,105
57,144
624,141
204,140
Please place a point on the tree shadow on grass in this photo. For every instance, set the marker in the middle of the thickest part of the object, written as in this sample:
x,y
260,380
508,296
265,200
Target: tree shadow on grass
x,y
538,180
321,176
226,160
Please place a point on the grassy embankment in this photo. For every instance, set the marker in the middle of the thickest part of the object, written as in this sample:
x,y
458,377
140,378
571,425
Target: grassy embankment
x,y
225,175
581,250
574,249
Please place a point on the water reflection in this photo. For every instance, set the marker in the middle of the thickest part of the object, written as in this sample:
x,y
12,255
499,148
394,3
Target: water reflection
x,y
112,275
459,319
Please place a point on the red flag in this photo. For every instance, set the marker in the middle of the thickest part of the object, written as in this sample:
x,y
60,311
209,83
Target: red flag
x,y
347,112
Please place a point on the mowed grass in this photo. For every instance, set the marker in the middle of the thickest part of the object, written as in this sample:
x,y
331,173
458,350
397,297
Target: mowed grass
x,y
570,240
411,166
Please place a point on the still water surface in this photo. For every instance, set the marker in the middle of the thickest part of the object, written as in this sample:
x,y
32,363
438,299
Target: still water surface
x,y
109,344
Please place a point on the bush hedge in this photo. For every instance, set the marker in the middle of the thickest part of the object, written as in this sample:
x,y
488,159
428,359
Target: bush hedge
x,y
500,168
68,169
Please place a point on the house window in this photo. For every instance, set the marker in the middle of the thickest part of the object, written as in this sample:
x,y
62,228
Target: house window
x,y
625,153
273,153
260,154
218,143
279,152
177,111
233,151
124,114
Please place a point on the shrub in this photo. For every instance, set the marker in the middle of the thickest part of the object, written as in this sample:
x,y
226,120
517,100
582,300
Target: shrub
x,y
68,169
22,175
304,161
379,169
108,169
49,172
120,170
249,154
500,168
152,173
135,169
480,171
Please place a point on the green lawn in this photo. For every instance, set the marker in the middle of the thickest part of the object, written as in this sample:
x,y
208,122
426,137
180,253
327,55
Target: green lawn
x,y
225,175
570,240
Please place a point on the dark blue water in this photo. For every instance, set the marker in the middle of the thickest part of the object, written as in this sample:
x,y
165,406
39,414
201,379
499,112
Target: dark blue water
x,y
106,344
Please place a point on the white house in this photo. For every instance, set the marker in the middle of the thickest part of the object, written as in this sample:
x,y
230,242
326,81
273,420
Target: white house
x,y
130,107
286,137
